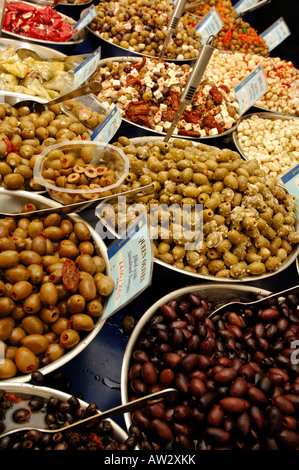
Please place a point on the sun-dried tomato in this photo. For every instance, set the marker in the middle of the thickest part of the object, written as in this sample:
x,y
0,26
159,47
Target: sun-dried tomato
x,y
13,397
135,108
96,439
70,275
140,64
175,99
190,133
131,81
141,120
192,116
216,94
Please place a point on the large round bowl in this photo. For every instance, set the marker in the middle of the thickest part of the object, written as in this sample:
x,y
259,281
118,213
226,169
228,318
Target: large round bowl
x,y
249,278
77,39
211,292
140,130
13,202
28,390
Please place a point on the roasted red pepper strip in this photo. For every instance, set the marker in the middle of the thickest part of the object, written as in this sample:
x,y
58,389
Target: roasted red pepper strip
x,y
70,275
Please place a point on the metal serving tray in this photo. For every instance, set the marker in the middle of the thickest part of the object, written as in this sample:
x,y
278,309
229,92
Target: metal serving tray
x,y
147,130
28,390
15,201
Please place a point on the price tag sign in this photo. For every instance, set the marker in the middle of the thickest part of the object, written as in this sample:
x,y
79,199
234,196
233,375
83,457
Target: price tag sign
x,y
210,25
107,129
291,182
131,264
253,87
88,16
83,71
242,5
276,33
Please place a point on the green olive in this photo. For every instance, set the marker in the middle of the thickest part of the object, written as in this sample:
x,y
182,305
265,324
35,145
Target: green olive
x,y
105,285
32,304
6,328
69,338
82,232
26,361
54,351
36,343
48,294
17,273
32,324
87,288
20,290
9,259
94,308
76,303
8,369
82,322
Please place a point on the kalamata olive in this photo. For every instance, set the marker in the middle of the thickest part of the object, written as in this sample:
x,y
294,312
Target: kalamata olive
x,y
161,430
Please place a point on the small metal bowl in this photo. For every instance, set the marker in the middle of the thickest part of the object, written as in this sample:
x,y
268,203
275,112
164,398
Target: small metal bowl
x,y
212,292
15,202
27,390
285,264
78,39
263,115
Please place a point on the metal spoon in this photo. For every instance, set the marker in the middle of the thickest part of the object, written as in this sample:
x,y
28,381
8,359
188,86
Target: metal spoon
x,y
229,306
147,400
24,53
78,206
178,11
36,107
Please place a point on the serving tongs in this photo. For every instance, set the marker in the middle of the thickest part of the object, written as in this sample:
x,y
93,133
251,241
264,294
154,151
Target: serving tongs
x,y
79,206
253,8
193,82
176,16
255,303
36,107
24,53
148,400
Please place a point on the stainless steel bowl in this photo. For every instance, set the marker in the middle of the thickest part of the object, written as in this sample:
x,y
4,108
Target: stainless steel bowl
x,y
264,115
290,259
78,39
14,201
146,130
45,52
213,292
28,390
71,9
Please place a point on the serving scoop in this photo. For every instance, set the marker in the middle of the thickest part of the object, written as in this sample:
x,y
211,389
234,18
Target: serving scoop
x,y
78,206
255,303
36,107
151,399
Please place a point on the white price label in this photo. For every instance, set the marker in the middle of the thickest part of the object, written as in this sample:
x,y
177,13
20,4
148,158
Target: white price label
x,y
276,33
83,71
253,87
131,265
242,5
291,182
88,16
210,25
106,130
